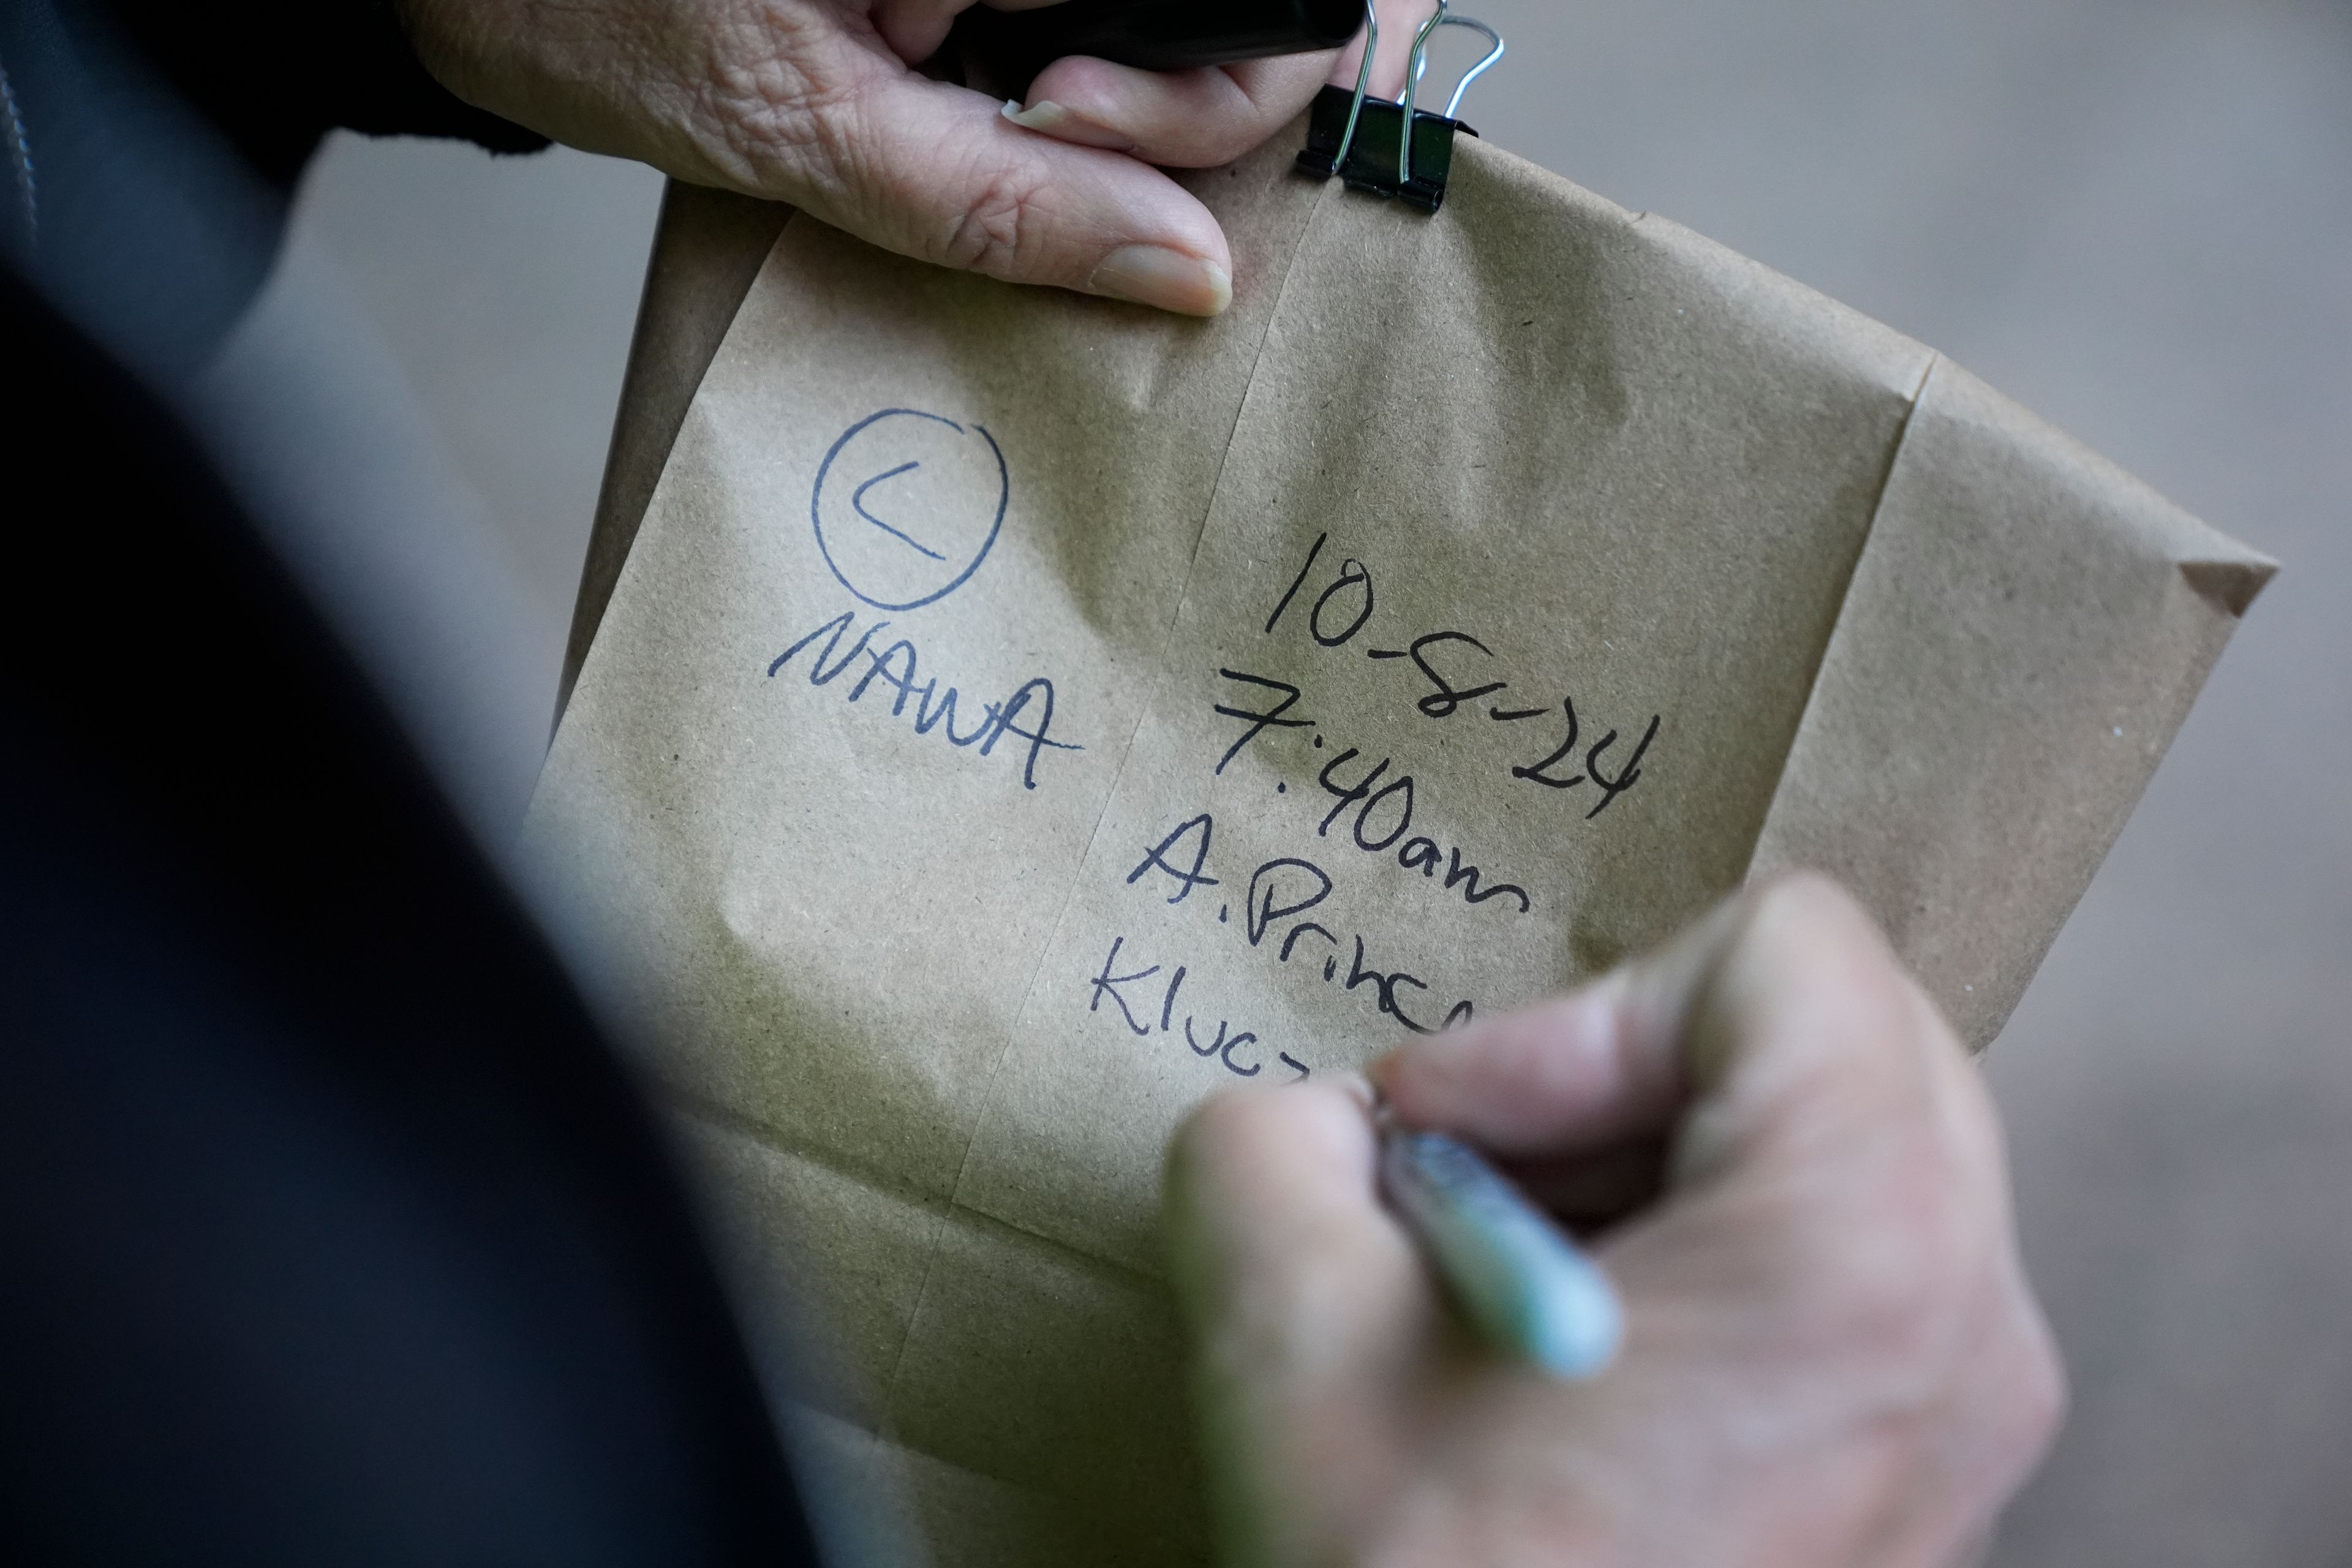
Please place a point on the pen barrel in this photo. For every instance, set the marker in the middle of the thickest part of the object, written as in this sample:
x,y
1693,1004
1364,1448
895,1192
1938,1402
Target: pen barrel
x,y
1153,34
1527,1288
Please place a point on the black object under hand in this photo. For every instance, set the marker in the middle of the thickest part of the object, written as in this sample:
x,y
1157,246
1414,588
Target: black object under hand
x,y
1152,35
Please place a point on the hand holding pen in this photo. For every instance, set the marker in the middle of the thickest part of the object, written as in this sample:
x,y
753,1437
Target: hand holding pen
x,y
1779,1160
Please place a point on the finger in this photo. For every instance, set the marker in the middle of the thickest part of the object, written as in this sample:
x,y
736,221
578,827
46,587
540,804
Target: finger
x,y
1840,1182
1807,1033
1400,21
934,171
1199,119
1281,1253
1592,1192
1193,119
1307,1309
1837,1177
916,29
1595,1069
1789,985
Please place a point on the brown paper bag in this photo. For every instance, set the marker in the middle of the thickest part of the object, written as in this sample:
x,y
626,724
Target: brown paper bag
x,y
1019,716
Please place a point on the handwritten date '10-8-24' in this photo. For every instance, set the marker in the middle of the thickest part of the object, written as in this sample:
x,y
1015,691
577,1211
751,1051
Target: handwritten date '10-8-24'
x,y
1339,612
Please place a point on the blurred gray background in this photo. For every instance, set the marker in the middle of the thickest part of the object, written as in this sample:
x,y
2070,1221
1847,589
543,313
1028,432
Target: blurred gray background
x,y
2134,215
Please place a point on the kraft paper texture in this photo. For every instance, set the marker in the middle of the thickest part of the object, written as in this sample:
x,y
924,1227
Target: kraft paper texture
x,y
1019,716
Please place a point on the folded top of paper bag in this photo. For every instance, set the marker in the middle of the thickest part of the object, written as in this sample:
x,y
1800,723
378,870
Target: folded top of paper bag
x,y
1020,715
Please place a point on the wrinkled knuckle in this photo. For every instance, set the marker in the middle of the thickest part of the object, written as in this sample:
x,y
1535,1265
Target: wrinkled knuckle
x,y
838,146
787,109
1811,889
1889,1306
1804,898
2039,1395
1975,1141
1903,1282
1001,231
1813,918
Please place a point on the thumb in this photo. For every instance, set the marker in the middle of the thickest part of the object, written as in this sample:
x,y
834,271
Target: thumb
x,y
1780,1014
1279,1250
1305,1307
937,173
1809,1046
1778,1028
1837,1177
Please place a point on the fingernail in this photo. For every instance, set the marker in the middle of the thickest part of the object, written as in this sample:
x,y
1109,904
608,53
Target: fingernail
x,y
1067,124
1041,116
1357,1087
1166,279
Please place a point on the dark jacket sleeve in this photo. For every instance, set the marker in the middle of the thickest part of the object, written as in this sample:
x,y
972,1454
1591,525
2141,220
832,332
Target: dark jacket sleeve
x,y
334,1232
277,74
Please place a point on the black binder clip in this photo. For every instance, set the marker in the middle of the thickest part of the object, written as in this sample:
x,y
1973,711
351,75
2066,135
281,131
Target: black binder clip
x,y
1362,139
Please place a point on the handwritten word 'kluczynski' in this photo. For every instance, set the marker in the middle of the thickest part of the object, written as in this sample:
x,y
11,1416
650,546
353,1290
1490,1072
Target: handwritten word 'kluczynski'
x,y
1228,1046
894,669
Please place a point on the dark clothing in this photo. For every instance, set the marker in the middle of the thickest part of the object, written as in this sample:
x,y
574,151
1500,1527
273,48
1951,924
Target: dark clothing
x,y
331,1231
152,148
277,74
